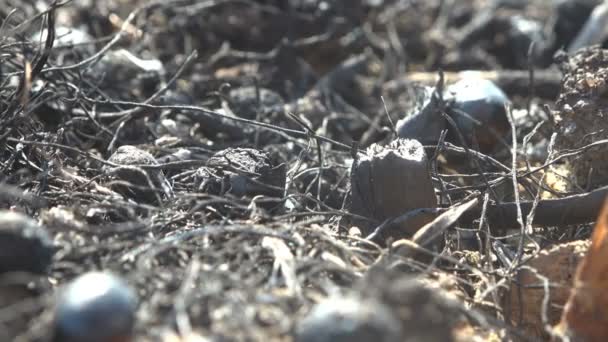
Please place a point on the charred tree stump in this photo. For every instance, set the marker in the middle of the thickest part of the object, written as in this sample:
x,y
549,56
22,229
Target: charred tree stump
x,y
389,181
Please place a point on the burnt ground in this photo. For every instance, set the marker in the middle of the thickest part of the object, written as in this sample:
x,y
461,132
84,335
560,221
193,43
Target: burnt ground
x,y
231,217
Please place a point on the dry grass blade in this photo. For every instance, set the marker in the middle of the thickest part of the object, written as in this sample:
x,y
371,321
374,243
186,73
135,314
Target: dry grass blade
x,y
284,262
429,232
433,229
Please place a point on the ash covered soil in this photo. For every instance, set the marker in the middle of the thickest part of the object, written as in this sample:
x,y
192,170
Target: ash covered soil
x,y
301,170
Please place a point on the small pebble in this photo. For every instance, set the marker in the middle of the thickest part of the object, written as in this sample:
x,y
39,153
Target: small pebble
x,y
25,246
245,103
484,102
349,320
130,156
95,307
247,171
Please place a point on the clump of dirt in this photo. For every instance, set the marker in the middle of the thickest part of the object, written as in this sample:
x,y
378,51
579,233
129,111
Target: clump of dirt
x,y
582,111
555,266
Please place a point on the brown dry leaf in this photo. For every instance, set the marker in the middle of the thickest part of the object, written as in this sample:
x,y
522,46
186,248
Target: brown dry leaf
x,y
585,317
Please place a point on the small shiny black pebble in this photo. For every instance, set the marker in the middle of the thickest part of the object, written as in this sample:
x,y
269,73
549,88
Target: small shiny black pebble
x,y
349,320
25,246
484,102
95,307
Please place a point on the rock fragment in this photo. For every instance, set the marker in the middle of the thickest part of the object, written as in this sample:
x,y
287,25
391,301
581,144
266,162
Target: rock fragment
x,y
96,307
242,172
425,314
145,185
349,319
25,246
479,110
247,101
477,106
582,108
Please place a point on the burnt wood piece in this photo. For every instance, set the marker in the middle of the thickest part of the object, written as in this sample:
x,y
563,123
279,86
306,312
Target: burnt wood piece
x,y
513,82
388,181
576,209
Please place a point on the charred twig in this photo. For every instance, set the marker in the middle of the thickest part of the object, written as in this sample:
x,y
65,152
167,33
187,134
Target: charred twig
x,y
576,209
517,82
